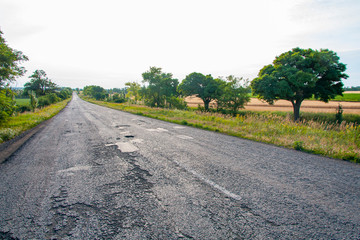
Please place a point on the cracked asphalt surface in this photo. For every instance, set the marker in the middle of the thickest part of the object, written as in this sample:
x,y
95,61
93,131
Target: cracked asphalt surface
x,y
98,173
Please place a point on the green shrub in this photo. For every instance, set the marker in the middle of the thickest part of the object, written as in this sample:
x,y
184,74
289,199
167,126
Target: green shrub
x,y
184,122
43,101
23,108
339,114
48,100
65,93
116,98
7,104
298,145
178,103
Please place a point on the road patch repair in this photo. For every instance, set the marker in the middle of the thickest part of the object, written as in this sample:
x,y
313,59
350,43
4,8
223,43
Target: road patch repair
x,y
157,130
124,146
185,137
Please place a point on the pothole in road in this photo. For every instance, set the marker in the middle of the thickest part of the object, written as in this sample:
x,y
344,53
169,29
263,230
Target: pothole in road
x,y
129,136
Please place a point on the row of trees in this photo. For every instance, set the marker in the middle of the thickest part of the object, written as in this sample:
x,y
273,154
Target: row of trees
x,y
116,95
160,89
295,75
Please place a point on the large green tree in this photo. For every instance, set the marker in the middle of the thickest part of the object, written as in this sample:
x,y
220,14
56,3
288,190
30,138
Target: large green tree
x,y
133,89
235,93
160,87
97,92
9,71
300,74
9,63
40,84
205,87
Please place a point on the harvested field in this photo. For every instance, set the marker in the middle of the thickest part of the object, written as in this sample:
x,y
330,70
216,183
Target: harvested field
x,y
282,105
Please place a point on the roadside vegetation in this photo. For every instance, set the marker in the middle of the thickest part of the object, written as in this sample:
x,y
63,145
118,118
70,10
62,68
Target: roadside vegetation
x,y
22,109
21,122
314,133
348,97
294,76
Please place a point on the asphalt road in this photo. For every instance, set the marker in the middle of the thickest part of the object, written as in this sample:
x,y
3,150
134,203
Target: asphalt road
x,y
97,173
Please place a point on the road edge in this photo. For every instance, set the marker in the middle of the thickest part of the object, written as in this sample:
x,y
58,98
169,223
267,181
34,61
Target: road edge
x,y
7,149
10,147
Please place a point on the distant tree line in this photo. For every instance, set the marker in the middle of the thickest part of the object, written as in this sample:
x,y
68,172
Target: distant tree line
x,y
352,88
117,95
161,90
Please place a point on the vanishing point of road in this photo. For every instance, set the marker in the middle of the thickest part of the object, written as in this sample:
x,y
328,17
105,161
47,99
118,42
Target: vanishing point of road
x,y
98,173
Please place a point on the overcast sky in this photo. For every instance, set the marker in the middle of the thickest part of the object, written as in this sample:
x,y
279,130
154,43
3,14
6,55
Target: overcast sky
x,y
110,42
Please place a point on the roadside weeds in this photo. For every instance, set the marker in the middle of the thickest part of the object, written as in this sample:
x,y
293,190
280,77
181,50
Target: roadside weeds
x,y
15,132
331,140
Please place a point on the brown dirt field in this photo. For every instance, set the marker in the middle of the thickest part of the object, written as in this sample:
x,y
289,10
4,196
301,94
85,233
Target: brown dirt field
x,y
282,105
352,92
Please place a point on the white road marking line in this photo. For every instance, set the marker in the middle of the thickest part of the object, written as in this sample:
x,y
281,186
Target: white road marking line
x,y
211,183
179,127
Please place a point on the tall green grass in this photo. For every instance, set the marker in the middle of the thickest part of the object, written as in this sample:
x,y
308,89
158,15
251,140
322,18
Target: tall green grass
x,y
22,101
310,135
348,97
25,121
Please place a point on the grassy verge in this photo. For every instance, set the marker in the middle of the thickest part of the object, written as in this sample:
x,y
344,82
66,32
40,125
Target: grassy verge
x,y
25,121
22,102
347,97
327,139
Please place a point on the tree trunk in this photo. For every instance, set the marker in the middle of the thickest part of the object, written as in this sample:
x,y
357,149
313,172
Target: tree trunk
x,y
206,105
296,106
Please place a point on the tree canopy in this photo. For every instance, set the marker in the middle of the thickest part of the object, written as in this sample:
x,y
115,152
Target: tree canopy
x,y
205,87
133,89
160,87
40,84
97,92
9,63
300,74
235,93
9,70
